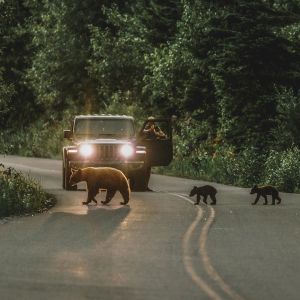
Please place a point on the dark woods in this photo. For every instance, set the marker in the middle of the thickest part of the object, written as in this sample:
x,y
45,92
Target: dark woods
x,y
230,71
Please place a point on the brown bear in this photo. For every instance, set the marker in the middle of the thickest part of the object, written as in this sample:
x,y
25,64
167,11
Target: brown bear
x,y
264,191
205,191
111,179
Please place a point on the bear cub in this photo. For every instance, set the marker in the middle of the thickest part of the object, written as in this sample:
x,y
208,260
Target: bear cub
x,y
110,179
205,191
264,191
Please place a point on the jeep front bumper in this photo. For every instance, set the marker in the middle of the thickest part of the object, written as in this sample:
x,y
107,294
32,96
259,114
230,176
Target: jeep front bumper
x,y
124,166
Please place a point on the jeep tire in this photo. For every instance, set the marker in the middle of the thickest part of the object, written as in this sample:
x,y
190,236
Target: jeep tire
x,y
66,178
63,177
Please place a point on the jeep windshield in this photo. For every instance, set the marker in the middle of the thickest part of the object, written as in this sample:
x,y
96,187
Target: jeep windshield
x,y
103,128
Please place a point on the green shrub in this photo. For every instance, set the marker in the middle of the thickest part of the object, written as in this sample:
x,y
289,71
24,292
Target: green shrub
x,y
282,169
223,165
41,139
120,104
21,194
248,167
286,131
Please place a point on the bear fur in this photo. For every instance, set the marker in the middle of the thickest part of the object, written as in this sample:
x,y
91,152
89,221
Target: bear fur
x,y
110,179
205,191
264,191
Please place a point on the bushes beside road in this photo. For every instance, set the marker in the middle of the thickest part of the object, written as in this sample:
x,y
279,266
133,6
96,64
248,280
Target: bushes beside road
x,y
214,160
44,139
244,169
20,194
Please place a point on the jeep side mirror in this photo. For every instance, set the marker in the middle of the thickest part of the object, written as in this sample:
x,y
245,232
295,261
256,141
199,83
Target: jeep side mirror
x,y
67,134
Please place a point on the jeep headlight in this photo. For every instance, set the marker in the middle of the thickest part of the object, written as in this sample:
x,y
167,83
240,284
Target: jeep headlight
x,y
86,150
127,150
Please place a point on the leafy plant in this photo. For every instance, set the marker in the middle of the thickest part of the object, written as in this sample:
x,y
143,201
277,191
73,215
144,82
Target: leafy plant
x,y
282,169
21,194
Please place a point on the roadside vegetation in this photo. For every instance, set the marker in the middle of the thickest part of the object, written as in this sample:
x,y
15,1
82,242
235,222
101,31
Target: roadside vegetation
x,y
230,71
20,194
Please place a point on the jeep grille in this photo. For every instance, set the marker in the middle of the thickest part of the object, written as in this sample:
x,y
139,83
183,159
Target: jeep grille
x,y
108,152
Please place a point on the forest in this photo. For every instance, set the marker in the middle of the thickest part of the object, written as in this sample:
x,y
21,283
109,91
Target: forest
x,y
228,69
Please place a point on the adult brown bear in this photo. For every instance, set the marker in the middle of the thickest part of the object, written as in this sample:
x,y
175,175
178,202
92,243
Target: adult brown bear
x,y
111,179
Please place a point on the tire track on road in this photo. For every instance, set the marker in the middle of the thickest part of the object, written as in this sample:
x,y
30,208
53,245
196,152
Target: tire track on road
x,y
208,267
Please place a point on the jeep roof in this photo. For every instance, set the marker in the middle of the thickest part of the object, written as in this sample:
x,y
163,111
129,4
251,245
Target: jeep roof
x,y
103,116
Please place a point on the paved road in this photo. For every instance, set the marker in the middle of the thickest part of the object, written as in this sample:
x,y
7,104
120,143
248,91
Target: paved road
x,y
161,246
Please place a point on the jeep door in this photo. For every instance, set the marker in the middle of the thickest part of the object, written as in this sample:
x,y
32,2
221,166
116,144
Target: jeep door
x,y
156,136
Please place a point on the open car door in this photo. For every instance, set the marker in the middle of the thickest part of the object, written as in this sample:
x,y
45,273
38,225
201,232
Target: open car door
x,y
156,136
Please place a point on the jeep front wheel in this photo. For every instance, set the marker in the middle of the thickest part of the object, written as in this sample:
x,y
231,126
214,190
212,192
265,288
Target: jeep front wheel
x,y
63,177
66,178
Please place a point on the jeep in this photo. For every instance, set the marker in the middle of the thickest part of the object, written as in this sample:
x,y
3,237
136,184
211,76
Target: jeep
x,y
112,141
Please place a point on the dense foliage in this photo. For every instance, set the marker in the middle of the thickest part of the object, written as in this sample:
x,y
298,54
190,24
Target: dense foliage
x,y
21,194
230,71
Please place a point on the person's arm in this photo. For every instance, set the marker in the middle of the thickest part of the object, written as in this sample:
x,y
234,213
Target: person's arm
x,y
149,132
148,129
159,133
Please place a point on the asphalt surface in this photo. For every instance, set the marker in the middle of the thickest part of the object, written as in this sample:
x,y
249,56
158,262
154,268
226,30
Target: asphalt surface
x,y
160,246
